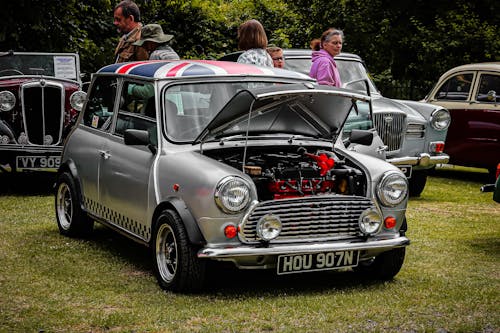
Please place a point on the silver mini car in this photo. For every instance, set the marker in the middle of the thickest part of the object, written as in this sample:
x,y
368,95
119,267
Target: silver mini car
x,y
208,160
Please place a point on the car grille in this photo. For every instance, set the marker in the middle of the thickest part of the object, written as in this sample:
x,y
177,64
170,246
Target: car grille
x,y
309,218
390,128
43,112
415,131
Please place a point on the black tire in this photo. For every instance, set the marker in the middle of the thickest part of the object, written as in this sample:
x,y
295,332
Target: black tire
x,y
177,266
417,182
71,219
385,266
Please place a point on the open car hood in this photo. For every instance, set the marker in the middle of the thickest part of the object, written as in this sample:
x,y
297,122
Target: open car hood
x,y
296,109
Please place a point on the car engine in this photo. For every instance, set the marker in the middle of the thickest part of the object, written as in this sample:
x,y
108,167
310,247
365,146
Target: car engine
x,y
295,172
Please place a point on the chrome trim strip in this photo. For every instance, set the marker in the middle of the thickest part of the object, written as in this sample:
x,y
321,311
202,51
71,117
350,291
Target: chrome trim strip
x,y
423,159
245,250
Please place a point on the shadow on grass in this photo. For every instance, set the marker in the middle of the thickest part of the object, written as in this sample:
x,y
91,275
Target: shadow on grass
x,y
27,183
477,175
224,279
488,245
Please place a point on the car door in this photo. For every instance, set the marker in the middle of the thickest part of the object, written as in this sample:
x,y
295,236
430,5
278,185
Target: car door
x,y
455,93
482,127
126,170
88,141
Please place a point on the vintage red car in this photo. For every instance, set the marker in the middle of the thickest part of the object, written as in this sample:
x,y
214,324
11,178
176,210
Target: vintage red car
x,y
472,95
40,98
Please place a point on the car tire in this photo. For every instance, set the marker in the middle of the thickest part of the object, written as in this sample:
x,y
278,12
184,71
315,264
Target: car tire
x,y
417,182
71,219
177,266
384,266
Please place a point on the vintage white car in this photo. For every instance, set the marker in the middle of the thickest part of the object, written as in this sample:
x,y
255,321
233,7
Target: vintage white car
x,y
208,160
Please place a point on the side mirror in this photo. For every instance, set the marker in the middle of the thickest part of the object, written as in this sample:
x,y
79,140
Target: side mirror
x,y
362,137
135,137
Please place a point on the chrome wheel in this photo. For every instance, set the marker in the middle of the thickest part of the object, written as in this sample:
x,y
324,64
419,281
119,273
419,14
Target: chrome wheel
x,y
166,253
64,206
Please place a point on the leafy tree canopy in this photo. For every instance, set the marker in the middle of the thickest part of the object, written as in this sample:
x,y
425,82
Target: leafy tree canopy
x,y
404,40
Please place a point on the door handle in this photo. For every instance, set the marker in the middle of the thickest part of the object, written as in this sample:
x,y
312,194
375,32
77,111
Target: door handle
x,y
105,154
381,149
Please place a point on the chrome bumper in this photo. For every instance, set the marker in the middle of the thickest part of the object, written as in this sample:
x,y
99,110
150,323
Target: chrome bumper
x,y
278,249
423,160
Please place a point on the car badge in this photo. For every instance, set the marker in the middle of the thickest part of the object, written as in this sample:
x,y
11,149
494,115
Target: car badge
x,y
388,119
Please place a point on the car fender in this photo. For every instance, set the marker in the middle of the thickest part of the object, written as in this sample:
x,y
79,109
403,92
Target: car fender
x,y
69,166
194,233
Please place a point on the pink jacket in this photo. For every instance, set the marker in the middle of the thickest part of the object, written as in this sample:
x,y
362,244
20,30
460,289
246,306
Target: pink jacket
x,y
324,69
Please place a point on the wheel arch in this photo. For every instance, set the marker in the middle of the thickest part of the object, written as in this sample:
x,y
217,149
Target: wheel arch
x,y
179,206
70,167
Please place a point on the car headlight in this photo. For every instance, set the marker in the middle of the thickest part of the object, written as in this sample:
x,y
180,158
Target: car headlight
x,y
440,119
269,227
370,221
7,100
232,194
392,188
77,99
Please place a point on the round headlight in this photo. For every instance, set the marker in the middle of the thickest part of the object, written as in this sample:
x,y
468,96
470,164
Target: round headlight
x,y
268,227
392,189
440,119
370,221
77,99
232,194
7,101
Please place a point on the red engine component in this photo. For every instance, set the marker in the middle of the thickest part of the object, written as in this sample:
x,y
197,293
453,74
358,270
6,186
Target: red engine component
x,y
283,189
324,162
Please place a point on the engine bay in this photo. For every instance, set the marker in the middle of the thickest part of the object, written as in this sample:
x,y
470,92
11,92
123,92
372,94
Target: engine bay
x,y
290,172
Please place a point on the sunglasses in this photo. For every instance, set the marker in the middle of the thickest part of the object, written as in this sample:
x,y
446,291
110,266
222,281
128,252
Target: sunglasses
x,y
278,59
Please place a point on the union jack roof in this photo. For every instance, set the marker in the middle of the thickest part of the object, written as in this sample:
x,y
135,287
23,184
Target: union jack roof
x,y
183,68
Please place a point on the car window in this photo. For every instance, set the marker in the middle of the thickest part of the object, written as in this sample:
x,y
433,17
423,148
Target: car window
x,y
190,107
359,118
352,73
100,104
456,88
355,76
137,107
489,88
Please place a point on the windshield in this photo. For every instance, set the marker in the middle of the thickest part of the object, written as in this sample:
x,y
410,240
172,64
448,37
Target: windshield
x,y
352,73
190,107
64,66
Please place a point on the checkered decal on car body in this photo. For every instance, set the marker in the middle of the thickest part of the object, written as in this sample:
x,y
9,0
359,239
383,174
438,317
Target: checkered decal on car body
x,y
97,209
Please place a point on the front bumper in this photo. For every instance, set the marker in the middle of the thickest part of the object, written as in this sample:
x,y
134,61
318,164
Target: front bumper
x,y
423,160
21,158
376,245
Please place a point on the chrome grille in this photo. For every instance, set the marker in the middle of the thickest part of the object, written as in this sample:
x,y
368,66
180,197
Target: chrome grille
x,y
308,218
391,128
415,131
43,112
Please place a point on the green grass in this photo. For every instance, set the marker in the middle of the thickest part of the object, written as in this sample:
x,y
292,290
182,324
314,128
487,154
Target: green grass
x,y
449,282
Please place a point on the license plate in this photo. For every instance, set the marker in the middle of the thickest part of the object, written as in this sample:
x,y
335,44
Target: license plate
x,y
37,163
309,262
406,169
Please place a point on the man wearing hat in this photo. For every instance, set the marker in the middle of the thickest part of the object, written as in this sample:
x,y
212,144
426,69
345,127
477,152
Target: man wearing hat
x,y
155,41
127,17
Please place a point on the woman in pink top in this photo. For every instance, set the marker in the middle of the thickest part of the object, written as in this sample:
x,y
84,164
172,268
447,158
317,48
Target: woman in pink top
x,y
324,68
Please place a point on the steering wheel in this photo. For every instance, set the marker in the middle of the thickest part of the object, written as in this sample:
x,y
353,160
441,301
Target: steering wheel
x,y
10,70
